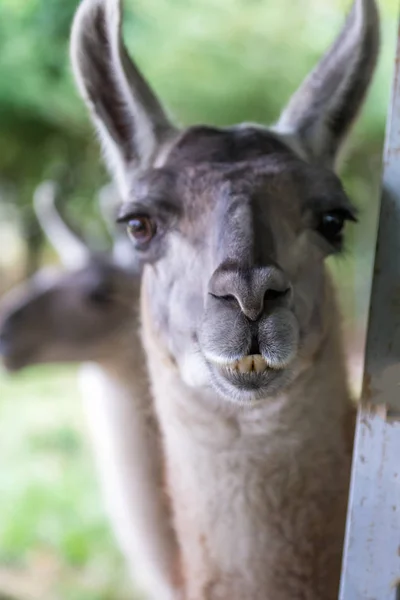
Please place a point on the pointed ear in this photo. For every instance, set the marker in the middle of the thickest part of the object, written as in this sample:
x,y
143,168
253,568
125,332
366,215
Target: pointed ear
x,y
70,248
130,120
318,117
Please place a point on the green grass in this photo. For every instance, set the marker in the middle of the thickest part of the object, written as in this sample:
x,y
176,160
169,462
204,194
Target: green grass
x,y
55,542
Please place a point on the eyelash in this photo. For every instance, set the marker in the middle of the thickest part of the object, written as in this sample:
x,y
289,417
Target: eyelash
x,y
328,225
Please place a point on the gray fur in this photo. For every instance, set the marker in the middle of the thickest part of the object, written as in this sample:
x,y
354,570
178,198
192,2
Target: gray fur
x,y
236,201
130,120
240,326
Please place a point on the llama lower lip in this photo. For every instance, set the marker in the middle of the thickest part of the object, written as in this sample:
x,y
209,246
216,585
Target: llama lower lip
x,y
245,387
250,380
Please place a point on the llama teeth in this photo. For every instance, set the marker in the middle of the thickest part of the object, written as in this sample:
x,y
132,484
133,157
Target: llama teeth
x,y
253,363
245,365
259,364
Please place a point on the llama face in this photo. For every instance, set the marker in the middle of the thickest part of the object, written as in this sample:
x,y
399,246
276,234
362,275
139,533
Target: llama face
x,y
234,229
69,316
232,225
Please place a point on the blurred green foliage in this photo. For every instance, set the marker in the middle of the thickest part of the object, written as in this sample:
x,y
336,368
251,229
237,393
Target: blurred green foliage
x,y
216,61
213,61
54,539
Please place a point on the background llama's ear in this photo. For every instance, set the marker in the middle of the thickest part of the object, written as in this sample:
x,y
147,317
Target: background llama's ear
x,y
130,120
70,248
321,112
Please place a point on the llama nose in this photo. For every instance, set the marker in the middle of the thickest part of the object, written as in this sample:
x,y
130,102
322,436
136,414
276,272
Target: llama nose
x,y
255,289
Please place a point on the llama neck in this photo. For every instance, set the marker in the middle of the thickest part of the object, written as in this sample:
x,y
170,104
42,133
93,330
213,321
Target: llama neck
x,y
240,478
126,443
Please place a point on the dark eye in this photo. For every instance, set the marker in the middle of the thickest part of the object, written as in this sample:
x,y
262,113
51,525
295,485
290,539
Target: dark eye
x,y
141,229
101,296
331,225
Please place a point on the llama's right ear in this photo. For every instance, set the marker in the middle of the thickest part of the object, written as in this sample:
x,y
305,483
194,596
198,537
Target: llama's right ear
x,y
319,115
130,120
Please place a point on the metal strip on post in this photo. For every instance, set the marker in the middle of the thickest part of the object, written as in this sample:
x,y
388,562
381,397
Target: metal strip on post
x,y
371,564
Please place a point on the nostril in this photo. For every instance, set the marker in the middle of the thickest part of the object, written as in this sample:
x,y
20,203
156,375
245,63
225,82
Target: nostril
x,y
228,297
272,294
254,290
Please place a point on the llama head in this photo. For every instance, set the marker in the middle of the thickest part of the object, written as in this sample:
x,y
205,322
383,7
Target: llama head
x,y
79,314
232,225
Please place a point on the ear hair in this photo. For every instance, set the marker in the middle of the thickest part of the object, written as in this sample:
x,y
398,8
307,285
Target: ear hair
x,y
129,119
319,115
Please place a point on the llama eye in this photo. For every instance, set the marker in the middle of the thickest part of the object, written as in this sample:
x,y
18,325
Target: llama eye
x,y
141,229
100,296
331,225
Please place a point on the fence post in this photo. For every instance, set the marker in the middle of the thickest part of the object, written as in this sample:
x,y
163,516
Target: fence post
x,y
371,563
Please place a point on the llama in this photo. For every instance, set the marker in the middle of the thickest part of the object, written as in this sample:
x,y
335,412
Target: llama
x,y
87,314
239,319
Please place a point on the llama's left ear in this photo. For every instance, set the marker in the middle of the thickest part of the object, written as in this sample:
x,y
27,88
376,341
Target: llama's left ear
x,y
130,120
319,115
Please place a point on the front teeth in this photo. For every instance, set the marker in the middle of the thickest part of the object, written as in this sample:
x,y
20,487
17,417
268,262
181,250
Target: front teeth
x,y
253,363
245,365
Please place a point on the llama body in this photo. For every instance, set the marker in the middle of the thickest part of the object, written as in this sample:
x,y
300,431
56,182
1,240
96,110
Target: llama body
x,y
259,494
88,315
240,324
126,443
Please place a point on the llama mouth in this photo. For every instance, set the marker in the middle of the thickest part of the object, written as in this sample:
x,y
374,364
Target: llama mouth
x,y
246,380
248,365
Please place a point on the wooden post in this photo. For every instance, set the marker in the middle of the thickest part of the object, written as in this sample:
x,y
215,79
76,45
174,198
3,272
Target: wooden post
x,y
371,563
